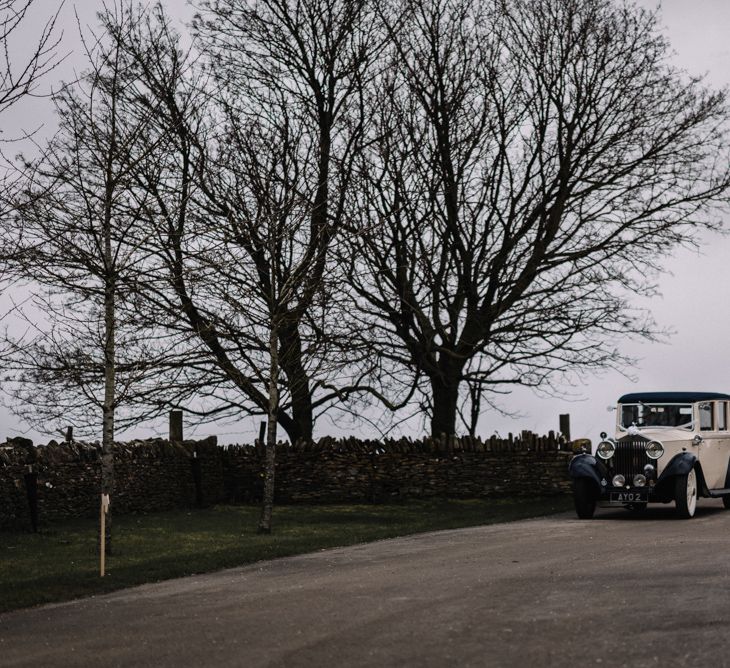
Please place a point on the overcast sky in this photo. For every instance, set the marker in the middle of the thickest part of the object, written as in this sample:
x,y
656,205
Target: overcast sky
x,y
694,301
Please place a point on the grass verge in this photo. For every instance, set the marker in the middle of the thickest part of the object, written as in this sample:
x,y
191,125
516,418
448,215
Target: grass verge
x,y
61,562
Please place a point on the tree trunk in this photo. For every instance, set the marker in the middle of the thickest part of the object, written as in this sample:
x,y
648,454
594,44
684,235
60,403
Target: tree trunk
x,y
475,407
289,425
110,322
267,506
107,435
445,391
297,380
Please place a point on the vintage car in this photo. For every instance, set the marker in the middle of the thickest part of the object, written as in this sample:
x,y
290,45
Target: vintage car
x,y
669,446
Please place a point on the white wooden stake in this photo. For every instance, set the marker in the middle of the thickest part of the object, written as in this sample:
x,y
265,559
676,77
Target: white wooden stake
x,y
104,510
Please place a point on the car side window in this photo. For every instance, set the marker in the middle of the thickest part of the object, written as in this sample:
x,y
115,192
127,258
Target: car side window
x,y
722,415
707,422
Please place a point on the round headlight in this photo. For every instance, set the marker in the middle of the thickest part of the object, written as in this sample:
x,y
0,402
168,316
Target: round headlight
x,y
618,480
639,480
654,449
605,449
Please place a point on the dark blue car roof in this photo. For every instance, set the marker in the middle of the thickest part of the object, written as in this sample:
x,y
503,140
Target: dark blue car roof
x,y
670,397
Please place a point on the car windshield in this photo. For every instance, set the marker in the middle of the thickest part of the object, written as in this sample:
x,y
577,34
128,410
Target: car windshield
x,y
656,415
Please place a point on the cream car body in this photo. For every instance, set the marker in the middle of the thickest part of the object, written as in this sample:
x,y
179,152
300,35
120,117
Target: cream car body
x,y
667,446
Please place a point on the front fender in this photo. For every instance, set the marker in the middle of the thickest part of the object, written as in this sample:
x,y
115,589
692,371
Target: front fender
x,y
586,466
680,464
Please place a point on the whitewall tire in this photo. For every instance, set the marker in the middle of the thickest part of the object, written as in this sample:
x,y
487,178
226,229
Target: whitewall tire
x,y
685,494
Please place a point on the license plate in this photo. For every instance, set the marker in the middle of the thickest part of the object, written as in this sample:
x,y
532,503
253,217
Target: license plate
x,y
630,497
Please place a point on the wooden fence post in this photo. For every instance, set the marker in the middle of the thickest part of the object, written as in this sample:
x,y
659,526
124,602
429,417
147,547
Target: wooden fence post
x,y
565,426
176,425
31,491
197,468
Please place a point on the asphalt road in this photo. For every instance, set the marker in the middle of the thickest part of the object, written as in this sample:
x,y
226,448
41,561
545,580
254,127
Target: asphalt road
x,y
615,591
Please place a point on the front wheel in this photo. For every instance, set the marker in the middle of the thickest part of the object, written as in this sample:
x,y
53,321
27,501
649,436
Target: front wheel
x,y
584,497
685,494
726,501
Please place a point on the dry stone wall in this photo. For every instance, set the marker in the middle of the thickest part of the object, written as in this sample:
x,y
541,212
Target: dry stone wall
x,y
377,471
157,474
149,475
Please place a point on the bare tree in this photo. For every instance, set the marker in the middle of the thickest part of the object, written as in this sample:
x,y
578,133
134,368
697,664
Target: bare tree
x,y
532,167
298,67
259,192
237,268
19,79
78,217
205,192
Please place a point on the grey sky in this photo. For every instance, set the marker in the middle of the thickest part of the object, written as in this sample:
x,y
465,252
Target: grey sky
x,y
693,303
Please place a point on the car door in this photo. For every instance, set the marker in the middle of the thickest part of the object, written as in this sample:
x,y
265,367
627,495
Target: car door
x,y
723,445
713,451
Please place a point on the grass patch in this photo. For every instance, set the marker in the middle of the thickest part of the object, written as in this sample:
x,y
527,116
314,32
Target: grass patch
x,y
61,562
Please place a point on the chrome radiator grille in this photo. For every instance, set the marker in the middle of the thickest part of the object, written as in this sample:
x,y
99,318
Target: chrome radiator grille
x,y
630,456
